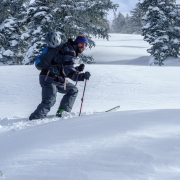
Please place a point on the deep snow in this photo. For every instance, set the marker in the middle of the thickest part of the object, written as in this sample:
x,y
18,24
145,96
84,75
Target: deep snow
x,y
138,142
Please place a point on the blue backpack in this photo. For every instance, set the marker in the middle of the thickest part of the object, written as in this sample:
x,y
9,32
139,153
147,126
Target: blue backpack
x,y
65,56
46,57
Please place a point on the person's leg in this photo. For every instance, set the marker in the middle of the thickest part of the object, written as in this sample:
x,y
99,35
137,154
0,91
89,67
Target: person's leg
x,y
49,92
69,98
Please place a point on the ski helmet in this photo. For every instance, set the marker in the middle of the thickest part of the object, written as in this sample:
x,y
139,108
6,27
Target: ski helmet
x,y
53,39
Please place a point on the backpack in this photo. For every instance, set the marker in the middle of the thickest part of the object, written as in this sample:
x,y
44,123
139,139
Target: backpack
x,y
45,58
44,61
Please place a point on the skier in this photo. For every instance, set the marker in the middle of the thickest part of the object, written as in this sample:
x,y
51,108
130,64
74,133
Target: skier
x,y
53,79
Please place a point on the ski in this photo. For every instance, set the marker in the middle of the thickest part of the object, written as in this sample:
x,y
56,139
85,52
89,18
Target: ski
x,y
113,109
68,115
109,110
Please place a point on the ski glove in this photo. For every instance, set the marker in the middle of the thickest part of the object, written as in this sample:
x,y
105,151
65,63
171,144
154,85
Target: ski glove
x,y
80,67
87,75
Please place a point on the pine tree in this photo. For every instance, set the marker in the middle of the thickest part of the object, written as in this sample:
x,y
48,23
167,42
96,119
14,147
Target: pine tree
x,y
70,17
133,23
136,19
4,9
118,23
40,20
112,24
127,29
12,26
144,5
87,17
160,29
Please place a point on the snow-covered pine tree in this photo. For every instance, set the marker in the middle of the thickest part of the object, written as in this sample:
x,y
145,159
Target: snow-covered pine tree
x,y
3,16
86,17
118,23
83,17
127,29
144,5
40,21
136,19
12,26
70,17
177,22
112,24
133,23
160,29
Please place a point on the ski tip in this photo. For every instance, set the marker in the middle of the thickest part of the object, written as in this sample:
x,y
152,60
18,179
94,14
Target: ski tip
x,y
113,109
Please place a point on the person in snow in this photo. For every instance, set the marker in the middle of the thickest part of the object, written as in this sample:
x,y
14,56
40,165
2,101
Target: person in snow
x,y
53,79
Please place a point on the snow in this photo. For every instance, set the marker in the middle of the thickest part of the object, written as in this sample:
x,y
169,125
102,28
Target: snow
x,y
9,23
14,43
37,31
176,41
41,13
161,39
148,25
25,35
155,8
125,49
8,53
31,1
170,61
29,52
139,141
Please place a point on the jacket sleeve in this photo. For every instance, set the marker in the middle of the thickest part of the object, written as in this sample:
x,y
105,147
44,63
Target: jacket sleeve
x,y
72,73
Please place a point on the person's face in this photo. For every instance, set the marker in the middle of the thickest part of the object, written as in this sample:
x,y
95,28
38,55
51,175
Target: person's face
x,y
81,47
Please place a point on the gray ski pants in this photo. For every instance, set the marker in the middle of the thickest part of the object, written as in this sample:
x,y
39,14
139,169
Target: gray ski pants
x,y
49,93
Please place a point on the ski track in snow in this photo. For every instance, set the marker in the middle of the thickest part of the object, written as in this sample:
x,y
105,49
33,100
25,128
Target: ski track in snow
x,y
19,123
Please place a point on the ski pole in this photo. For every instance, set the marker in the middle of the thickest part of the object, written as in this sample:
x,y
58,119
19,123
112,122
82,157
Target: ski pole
x,y
82,99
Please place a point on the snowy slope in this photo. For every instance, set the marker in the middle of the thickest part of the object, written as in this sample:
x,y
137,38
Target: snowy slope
x,y
132,87
138,142
122,49
122,145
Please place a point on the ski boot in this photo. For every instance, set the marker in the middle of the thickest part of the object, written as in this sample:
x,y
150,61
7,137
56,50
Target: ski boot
x,y
59,113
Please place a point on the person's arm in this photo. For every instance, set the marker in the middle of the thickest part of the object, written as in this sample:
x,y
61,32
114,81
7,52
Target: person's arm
x,y
75,75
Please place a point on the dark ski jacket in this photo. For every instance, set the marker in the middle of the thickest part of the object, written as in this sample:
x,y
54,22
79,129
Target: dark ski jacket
x,y
62,66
